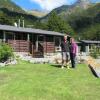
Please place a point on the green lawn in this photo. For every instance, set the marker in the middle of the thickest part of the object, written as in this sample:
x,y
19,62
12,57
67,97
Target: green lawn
x,y
27,81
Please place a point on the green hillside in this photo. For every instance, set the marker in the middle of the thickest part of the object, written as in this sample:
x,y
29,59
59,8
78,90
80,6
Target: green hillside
x,y
65,10
84,18
37,13
66,19
10,5
11,13
87,22
81,20
9,17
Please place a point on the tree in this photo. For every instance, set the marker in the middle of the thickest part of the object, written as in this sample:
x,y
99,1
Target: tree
x,y
92,32
55,23
39,25
4,19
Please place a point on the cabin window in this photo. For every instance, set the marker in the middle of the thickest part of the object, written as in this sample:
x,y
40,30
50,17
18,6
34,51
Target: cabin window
x,y
1,36
49,39
10,35
20,36
41,38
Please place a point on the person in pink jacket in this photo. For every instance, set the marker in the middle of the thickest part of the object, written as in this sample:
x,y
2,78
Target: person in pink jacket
x,y
73,52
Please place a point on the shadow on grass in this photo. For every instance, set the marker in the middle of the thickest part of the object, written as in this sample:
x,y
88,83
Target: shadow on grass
x,y
93,71
56,65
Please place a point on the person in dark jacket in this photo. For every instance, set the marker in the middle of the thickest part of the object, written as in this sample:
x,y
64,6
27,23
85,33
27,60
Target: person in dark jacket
x,y
65,51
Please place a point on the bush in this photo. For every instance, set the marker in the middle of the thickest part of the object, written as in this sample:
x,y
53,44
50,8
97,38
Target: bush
x,y
6,52
95,52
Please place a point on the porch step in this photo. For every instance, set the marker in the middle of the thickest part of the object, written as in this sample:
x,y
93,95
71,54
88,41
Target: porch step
x,y
38,54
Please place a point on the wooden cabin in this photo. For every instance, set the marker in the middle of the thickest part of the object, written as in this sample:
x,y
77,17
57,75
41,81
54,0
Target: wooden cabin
x,y
33,41
87,45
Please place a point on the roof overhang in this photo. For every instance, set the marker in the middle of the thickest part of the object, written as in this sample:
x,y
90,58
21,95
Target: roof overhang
x,y
28,30
90,42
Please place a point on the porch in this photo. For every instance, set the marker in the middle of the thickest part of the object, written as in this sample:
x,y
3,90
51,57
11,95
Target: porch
x,y
31,42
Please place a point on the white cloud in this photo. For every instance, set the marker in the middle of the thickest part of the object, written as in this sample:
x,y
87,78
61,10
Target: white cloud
x,y
50,4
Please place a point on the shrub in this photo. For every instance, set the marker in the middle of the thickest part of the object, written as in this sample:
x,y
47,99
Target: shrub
x,y
95,52
6,52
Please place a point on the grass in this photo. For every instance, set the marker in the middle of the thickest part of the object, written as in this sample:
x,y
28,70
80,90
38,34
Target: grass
x,y
27,81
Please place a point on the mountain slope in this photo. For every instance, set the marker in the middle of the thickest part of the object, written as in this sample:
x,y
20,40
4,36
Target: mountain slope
x,y
37,13
11,13
66,10
84,22
87,23
10,6
13,16
83,3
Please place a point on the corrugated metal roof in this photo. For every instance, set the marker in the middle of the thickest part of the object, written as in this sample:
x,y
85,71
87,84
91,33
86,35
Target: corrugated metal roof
x,y
29,30
90,41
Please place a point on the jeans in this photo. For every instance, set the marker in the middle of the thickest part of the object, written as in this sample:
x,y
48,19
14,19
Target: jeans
x,y
72,57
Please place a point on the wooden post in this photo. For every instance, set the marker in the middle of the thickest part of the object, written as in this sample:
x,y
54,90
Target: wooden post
x,y
54,44
28,37
45,44
4,36
87,48
14,43
32,46
14,36
32,50
28,40
59,41
37,44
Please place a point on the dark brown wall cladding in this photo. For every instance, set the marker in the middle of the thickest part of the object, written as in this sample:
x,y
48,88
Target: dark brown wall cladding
x,y
50,47
19,45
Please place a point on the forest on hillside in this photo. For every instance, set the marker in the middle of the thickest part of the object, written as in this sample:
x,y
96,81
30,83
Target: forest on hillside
x,y
77,22
81,23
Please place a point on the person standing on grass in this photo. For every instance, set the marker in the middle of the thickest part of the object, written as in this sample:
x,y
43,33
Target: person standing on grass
x,y
73,52
64,51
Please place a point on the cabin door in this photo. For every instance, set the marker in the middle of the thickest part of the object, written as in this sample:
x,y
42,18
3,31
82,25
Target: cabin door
x,y
40,45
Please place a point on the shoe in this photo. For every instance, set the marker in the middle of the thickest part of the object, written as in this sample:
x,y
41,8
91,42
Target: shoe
x,y
68,67
62,67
